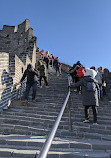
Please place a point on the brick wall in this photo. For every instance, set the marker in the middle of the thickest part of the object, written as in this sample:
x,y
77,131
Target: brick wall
x,y
20,46
5,80
65,67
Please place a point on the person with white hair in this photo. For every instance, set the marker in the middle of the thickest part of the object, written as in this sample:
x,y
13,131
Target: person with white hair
x,y
90,90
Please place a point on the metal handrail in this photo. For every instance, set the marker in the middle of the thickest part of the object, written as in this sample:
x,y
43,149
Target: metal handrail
x,y
45,149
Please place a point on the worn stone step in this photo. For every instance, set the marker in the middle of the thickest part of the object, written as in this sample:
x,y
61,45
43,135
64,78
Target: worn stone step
x,y
24,116
57,144
81,116
24,130
100,121
91,126
37,124
95,130
35,121
24,153
34,112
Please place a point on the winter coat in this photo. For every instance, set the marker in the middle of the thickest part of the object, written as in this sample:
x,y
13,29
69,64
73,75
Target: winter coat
x,y
56,63
46,59
42,70
107,76
89,98
31,76
76,67
99,78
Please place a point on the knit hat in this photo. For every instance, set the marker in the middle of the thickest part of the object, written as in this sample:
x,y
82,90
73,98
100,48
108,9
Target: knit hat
x,y
78,62
29,66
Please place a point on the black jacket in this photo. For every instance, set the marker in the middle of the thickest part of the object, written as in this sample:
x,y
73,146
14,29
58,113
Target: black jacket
x,y
30,76
76,66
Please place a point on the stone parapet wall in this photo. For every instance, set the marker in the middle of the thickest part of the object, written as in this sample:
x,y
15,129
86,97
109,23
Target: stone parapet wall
x,y
5,80
10,80
17,50
65,67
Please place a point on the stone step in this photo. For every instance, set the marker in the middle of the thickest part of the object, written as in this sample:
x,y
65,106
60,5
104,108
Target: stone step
x,y
88,129
100,112
58,143
103,117
34,121
38,112
22,151
44,123
22,129
24,116
100,121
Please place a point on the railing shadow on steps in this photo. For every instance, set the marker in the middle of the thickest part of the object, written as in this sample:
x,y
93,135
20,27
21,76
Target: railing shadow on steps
x,y
18,91
46,147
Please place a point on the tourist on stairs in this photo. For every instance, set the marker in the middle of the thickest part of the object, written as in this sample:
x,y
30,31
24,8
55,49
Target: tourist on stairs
x,y
31,75
90,89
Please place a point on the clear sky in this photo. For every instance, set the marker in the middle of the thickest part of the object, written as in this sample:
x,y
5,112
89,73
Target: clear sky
x,y
70,29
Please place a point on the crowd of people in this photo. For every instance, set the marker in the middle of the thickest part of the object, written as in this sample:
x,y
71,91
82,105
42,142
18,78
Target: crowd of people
x,y
36,75
52,61
93,84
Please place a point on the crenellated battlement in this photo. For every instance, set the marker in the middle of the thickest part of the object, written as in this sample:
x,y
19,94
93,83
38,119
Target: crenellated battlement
x,y
17,41
9,29
23,27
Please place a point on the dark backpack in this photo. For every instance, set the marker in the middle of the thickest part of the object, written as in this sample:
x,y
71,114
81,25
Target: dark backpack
x,y
91,86
42,70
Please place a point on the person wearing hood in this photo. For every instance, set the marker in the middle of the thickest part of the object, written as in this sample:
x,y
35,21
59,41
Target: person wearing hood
x,y
90,89
31,75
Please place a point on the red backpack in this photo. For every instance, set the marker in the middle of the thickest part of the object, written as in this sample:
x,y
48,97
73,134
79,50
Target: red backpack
x,y
81,72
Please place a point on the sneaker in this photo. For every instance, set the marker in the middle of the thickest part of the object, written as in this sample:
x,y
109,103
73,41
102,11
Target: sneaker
x,y
95,123
86,121
33,100
109,101
24,102
40,86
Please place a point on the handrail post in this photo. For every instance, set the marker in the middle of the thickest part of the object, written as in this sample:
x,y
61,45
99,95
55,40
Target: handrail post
x,y
20,92
69,108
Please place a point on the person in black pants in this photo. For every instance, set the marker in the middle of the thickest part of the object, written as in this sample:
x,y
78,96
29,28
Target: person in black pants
x,y
31,75
90,94
42,69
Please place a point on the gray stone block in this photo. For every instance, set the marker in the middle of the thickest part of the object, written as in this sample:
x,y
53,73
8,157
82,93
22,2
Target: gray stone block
x,y
5,154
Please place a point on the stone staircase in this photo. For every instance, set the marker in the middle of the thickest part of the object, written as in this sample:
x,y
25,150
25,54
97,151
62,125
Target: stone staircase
x,y
24,129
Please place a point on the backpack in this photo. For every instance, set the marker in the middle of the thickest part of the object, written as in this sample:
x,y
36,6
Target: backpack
x,y
42,70
91,86
81,72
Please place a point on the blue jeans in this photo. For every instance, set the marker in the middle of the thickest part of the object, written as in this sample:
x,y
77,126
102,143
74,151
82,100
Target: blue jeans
x,y
34,89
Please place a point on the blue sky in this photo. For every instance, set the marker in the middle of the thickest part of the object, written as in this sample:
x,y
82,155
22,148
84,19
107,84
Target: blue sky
x,y
70,29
